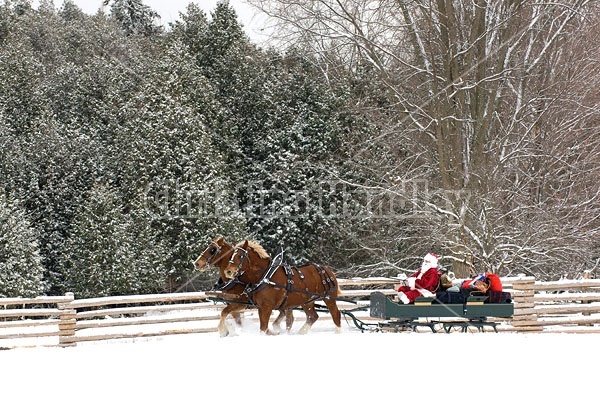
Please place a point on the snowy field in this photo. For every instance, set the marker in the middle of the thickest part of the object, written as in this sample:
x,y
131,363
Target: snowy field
x,y
321,363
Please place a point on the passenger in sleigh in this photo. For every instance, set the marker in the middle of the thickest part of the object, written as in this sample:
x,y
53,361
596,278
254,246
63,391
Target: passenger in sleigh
x,y
483,283
487,284
421,283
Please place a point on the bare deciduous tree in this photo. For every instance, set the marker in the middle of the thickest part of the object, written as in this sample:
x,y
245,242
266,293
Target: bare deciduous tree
x,y
493,103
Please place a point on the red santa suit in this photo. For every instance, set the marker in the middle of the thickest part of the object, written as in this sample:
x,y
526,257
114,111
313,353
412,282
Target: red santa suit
x,y
422,283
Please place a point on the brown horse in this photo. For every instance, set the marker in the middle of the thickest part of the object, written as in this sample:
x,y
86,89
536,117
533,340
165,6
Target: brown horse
x,y
276,286
217,254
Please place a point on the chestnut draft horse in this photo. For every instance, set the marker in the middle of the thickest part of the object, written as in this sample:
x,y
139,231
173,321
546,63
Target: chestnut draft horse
x,y
217,254
272,285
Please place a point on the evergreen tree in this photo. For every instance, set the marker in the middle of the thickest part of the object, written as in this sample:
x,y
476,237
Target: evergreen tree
x,y
165,151
21,270
109,253
173,134
226,33
282,124
288,156
192,29
69,107
135,17
71,12
20,78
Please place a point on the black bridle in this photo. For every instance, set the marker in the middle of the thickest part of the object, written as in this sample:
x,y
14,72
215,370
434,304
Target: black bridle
x,y
214,250
243,257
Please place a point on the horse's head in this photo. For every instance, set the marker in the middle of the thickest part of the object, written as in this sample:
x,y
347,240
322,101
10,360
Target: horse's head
x,y
217,253
247,256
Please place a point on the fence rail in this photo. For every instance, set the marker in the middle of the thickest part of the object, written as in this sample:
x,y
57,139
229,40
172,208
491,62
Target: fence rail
x,y
558,306
568,306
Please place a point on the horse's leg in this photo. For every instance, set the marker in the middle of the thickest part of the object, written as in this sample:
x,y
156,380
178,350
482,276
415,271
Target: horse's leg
x,y
288,314
233,309
335,314
311,317
277,322
237,316
289,319
264,315
237,313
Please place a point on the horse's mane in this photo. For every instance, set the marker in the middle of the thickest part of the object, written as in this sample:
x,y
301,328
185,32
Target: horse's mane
x,y
262,253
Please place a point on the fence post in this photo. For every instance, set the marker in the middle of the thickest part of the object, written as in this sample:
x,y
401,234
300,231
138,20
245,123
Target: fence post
x,y
525,317
67,323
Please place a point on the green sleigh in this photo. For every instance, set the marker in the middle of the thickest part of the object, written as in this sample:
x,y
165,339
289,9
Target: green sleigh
x,y
473,313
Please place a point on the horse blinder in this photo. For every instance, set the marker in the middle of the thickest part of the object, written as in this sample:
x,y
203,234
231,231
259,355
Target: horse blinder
x,y
242,257
208,255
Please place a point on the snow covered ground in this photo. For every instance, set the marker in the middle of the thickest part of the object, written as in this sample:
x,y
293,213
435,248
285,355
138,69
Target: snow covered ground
x,y
321,363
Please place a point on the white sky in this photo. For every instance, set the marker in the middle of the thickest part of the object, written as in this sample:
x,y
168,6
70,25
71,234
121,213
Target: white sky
x,y
169,11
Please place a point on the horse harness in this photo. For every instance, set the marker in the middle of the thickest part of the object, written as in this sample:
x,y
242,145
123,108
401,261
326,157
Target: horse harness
x,y
221,284
214,251
329,284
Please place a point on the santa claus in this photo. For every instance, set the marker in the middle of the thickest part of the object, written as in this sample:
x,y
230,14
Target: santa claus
x,y
422,283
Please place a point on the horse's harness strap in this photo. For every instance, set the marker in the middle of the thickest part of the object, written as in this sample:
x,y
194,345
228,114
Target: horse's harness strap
x,y
223,286
327,281
289,272
264,281
329,284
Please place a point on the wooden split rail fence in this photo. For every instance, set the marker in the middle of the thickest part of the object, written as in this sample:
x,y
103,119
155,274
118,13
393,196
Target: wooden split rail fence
x,y
557,306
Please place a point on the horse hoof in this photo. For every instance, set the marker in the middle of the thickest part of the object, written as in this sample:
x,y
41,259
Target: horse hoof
x,y
304,329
